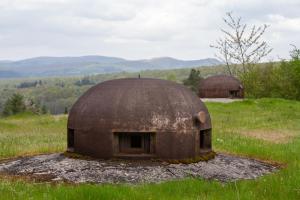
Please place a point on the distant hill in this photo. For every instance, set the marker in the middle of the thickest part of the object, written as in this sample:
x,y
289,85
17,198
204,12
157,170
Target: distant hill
x,y
86,65
9,74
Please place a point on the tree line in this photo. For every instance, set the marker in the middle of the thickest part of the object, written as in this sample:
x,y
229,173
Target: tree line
x,y
18,104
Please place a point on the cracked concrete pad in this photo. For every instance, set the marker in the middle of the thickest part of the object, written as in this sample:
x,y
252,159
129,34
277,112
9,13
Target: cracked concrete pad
x,y
57,167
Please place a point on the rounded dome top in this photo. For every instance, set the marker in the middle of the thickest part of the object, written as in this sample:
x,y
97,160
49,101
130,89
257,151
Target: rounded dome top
x,y
142,104
221,82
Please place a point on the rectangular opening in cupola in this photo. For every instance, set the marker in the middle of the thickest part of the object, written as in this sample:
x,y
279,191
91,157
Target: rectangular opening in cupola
x,y
233,93
71,139
134,142
205,140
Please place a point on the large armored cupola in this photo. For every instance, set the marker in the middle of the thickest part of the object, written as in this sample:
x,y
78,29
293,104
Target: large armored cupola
x,y
139,117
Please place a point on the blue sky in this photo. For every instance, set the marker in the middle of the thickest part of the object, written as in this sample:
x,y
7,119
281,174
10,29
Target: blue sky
x,y
135,29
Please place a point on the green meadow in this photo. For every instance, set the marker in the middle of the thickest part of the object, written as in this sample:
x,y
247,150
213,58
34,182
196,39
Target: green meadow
x,y
265,129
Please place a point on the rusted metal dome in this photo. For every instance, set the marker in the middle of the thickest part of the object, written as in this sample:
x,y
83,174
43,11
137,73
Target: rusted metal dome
x,y
221,86
139,117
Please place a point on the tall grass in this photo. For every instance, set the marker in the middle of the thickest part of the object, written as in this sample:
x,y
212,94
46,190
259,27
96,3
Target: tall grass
x,y
25,134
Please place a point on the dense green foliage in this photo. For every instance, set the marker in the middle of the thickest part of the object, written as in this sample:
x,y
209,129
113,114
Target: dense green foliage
x,y
31,134
270,80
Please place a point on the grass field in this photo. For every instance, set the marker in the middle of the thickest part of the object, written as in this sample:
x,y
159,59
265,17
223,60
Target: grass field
x,y
267,129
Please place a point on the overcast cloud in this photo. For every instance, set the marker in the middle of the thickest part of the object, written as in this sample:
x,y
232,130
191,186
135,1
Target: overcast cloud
x,y
136,29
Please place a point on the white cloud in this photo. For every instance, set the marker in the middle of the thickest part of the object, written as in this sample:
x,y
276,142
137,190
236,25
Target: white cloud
x,y
135,28
281,23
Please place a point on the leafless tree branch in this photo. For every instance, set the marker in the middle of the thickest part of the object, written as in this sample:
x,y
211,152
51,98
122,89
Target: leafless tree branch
x,y
240,45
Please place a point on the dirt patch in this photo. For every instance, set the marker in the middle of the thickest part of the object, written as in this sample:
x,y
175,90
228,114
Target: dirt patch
x,y
58,117
220,100
277,137
57,167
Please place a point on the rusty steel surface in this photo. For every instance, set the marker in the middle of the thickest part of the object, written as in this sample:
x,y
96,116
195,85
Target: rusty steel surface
x,y
221,86
139,105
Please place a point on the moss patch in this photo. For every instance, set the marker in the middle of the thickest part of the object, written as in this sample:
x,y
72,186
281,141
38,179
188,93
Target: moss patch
x,y
204,157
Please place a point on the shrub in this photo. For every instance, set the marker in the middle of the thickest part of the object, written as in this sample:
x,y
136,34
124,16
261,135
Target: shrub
x,y
193,80
15,104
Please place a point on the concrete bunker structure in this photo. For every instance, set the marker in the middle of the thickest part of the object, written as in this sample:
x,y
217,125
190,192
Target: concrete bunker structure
x,y
221,86
139,118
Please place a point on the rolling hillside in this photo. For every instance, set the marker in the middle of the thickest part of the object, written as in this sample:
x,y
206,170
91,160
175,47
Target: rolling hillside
x,y
86,65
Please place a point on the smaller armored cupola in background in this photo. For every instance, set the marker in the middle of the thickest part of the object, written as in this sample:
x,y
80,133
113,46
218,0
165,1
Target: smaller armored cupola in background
x,y
221,86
